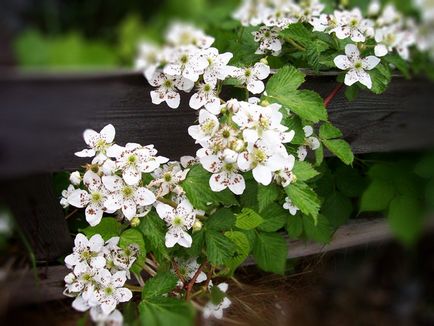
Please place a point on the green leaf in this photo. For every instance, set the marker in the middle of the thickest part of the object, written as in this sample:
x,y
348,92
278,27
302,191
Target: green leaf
x,y
274,218
377,196
349,182
304,171
270,251
341,149
248,219
199,193
267,195
328,131
160,284
304,198
380,77
405,218
337,208
107,228
249,198
297,32
154,230
222,220
321,231
425,167
352,92
399,63
294,226
242,251
287,78
134,237
166,311
306,104
218,247
293,122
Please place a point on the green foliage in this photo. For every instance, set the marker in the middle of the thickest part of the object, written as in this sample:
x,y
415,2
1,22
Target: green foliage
x,y
337,208
304,171
154,231
219,248
318,230
306,104
222,220
199,193
294,226
328,135
107,228
161,311
159,285
304,198
241,252
134,237
270,251
377,196
380,77
274,218
248,219
267,195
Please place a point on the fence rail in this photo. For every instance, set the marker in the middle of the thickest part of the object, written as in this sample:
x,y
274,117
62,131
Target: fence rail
x,y
42,118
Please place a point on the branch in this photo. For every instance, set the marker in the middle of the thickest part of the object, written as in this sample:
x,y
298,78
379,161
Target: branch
x,y
332,95
193,281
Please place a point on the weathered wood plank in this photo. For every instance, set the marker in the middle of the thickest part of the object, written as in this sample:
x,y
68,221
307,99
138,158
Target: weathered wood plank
x,y
360,232
38,214
42,118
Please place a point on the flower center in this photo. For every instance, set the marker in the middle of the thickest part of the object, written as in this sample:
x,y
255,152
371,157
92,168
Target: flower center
x,y
127,191
167,176
108,291
248,73
226,134
230,167
100,144
178,221
358,65
184,59
168,83
96,197
207,88
354,22
259,156
208,126
132,159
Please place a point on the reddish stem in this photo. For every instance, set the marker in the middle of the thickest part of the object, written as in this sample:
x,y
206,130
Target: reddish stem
x,y
332,95
176,268
193,281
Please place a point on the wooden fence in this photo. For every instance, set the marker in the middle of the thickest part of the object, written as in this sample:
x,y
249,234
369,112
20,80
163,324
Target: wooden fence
x,y
42,118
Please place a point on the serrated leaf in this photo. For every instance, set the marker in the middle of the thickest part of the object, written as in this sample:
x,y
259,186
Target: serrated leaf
x,y
242,251
399,63
349,181
219,248
297,32
154,230
380,77
405,218
304,171
222,220
352,92
134,237
267,195
341,149
304,198
306,104
274,216
199,193
294,226
328,131
163,311
319,230
159,285
293,122
270,252
108,228
337,208
248,219
377,196
287,78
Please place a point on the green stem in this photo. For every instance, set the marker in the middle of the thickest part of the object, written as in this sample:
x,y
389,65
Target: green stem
x,y
296,45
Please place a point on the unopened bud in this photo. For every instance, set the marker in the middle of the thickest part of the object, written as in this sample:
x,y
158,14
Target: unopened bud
x,y
75,178
264,61
197,226
135,222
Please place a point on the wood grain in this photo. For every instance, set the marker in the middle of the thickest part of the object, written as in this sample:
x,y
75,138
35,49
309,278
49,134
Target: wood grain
x,y
42,118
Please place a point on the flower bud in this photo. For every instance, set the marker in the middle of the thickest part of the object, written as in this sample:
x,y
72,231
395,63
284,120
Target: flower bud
x,y
197,226
75,178
135,222
264,61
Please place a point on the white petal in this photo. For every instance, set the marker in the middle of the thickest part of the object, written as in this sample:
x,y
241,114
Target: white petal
x,y
365,79
256,86
173,99
237,184
370,62
108,133
129,208
94,214
351,77
211,163
78,198
164,210
342,62
92,180
119,278
108,305
98,262
262,175
85,153
352,52
115,151
79,304
96,242
218,182
261,70
90,137
196,101
71,260
112,182
131,175
123,294
185,240
144,197
156,97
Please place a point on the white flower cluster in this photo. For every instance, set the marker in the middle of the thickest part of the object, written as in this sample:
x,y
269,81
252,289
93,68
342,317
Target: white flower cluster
x,y
99,272
385,26
188,61
425,36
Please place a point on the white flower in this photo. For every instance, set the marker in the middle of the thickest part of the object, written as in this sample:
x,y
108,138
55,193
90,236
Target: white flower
x,y
285,176
187,160
280,17
263,159
187,62
126,197
352,24
356,66
110,292
374,8
167,89
218,68
224,168
86,252
188,268
389,16
387,39
290,206
310,142
208,126
148,59
324,23
309,9
205,97
216,310
134,159
75,178
181,34
93,200
250,13
65,194
252,77
268,39
98,143
167,178
115,318
179,220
